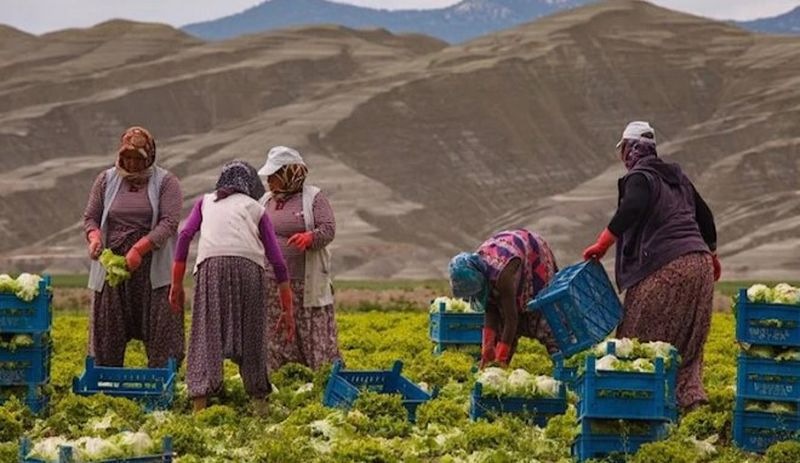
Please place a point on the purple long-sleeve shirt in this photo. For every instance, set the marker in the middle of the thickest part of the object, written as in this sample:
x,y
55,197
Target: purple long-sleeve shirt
x,y
271,248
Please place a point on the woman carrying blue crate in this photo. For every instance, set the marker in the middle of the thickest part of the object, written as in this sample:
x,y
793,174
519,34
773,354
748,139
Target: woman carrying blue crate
x,y
134,209
665,258
229,317
500,278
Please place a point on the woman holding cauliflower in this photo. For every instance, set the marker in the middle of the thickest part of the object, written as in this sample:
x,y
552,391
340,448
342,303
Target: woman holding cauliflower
x,y
500,278
666,260
134,209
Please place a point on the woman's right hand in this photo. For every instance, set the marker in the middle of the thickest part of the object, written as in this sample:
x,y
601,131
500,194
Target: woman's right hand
x,y
488,341
177,297
286,320
95,245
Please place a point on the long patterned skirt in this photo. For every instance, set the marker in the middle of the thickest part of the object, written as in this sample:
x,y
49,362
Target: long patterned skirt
x,y
228,322
134,310
315,342
674,305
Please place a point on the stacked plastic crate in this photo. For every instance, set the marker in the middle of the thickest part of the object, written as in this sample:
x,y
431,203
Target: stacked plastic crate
x,y
25,346
459,330
618,411
768,379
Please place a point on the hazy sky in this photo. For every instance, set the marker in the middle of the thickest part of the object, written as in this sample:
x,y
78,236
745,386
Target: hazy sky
x,y
40,16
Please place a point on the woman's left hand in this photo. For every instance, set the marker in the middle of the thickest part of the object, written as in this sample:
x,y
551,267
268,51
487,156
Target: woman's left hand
x,y
133,259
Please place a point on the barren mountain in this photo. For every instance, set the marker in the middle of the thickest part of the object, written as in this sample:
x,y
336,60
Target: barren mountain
x,y
424,149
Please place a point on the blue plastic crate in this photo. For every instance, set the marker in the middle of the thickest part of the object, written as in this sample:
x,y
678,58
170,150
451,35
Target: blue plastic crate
x,y
455,327
567,375
538,411
580,305
600,446
767,379
18,316
741,402
27,365
770,324
344,387
756,431
624,395
153,387
34,399
65,454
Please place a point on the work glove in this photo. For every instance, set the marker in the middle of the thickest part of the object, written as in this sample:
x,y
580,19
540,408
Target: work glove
x,y
301,241
717,266
133,258
95,243
488,341
599,248
286,320
177,296
503,354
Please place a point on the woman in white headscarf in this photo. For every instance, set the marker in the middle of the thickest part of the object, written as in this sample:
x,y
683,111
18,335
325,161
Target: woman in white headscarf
x,y
305,226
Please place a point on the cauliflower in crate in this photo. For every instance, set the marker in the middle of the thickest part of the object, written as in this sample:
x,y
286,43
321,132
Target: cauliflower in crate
x,y
451,305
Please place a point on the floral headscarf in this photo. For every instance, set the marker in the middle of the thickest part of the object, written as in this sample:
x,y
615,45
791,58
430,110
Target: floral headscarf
x,y
239,177
292,178
139,140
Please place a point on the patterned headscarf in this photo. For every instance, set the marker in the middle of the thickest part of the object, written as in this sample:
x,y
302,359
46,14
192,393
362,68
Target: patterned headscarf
x,y
467,278
292,178
139,140
239,177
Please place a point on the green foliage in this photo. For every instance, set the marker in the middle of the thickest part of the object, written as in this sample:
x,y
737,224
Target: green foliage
x,y
783,452
445,412
667,451
116,267
298,428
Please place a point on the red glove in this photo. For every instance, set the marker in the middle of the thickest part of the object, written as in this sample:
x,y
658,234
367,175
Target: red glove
x,y
133,258
95,243
286,320
177,296
301,241
487,346
503,353
717,266
599,248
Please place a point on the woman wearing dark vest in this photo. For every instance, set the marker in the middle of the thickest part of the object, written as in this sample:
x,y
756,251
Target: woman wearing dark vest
x,y
305,226
134,209
506,271
665,258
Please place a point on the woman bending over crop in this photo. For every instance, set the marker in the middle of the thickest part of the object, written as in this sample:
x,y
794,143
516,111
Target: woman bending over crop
x,y
229,317
500,278
666,260
133,210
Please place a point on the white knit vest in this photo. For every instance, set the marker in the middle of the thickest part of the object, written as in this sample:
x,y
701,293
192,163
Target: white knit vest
x,y
230,228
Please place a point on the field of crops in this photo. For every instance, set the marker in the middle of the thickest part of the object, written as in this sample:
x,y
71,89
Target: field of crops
x,y
299,429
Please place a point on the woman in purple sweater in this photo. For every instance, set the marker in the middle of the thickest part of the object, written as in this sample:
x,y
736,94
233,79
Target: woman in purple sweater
x,y
666,257
237,245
